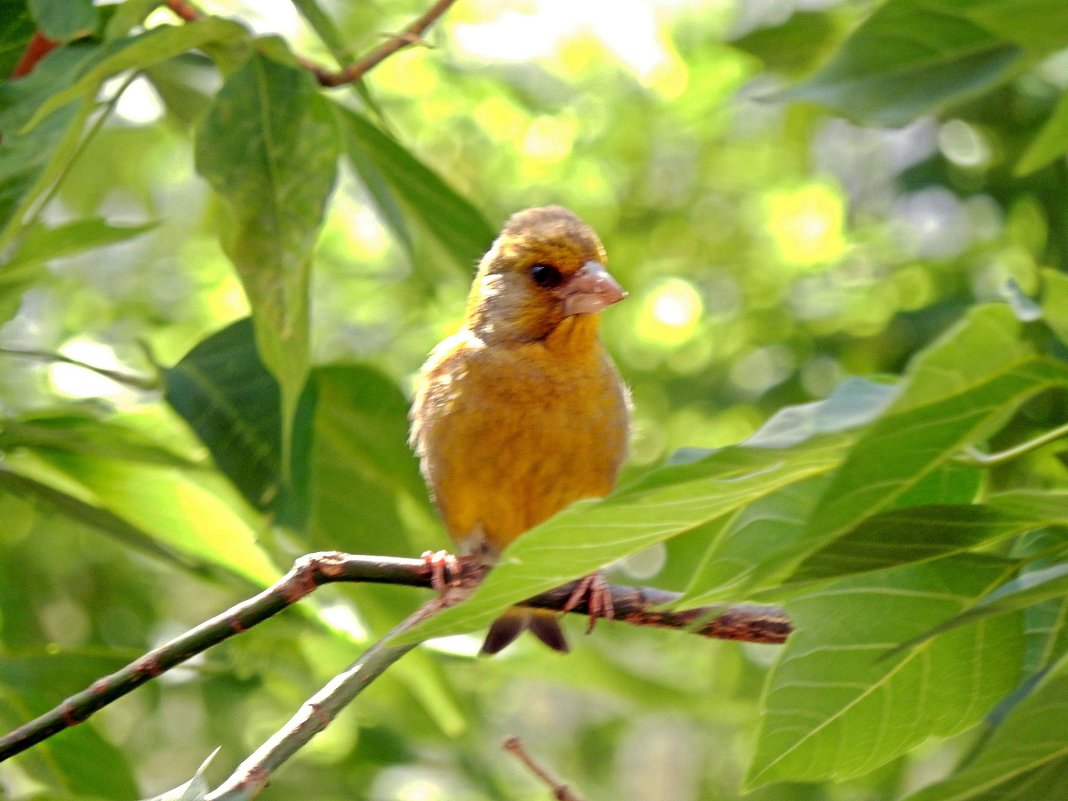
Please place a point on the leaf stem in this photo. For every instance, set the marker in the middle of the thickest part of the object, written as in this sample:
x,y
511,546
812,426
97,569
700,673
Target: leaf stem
x,y
118,376
980,459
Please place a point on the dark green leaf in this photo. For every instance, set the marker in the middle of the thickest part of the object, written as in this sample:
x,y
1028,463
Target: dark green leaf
x,y
78,759
226,395
924,533
360,462
16,28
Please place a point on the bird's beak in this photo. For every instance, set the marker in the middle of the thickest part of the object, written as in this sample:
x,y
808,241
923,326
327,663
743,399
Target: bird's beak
x,y
590,289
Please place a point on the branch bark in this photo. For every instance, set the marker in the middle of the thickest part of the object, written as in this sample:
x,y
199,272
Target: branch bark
x,y
639,606
411,35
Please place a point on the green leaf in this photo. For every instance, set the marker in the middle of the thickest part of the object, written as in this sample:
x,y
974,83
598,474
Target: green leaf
x,y
193,513
834,709
1055,302
451,219
590,534
925,533
64,20
269,148
1050,142
1030,589
16,29
72,501
987,341
953,399
1038,26
1025,758
84,434
360,462
227,396
154,46
43,115
78,759
796,45
325,28
908,58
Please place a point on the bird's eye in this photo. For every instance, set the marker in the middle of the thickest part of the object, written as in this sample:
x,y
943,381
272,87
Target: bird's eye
x,y
545,275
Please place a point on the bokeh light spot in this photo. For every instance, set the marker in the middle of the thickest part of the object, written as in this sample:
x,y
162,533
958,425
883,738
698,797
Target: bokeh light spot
x,y
671,312
806,225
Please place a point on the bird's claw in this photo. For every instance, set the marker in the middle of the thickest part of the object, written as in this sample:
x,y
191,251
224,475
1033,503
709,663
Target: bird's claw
x,y
594,590
445,571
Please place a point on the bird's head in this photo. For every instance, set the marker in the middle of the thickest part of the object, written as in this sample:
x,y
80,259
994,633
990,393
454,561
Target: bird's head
x,y
545,267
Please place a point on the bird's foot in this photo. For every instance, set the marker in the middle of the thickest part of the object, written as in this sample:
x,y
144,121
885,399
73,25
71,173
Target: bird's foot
x,y
594,590
445,570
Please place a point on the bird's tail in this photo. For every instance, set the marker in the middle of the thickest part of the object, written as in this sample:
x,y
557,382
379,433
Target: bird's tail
x,y
511,624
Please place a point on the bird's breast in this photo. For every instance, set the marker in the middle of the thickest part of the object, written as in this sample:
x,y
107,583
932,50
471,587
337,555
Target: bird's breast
x,y
507,437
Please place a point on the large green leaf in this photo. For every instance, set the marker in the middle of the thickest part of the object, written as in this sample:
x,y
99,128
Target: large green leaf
x,y
232,402
667,502
834,709
908,58
269,147
1025,759
388,169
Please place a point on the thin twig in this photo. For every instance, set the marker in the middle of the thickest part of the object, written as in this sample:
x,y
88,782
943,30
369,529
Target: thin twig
x,y
975,457
639,606
561,792
406,38
411,35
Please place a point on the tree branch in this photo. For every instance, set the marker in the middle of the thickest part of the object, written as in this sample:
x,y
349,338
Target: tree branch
x,y
638,606
561,792
411,35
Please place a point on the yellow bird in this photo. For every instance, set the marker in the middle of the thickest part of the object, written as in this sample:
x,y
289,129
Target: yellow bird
x,y
522,412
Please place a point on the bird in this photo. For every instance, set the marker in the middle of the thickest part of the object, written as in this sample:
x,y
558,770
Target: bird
x,y
523,412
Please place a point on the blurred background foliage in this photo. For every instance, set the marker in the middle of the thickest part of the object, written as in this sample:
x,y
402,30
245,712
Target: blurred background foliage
x,y
772,246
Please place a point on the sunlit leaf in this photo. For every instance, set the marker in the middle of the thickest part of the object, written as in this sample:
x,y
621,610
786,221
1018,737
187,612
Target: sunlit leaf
x,y
834,709
189,512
